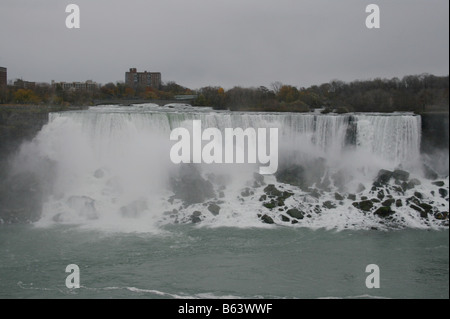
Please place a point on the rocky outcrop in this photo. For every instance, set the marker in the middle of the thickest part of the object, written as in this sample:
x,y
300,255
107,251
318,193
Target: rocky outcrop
x,y
214,209
191,187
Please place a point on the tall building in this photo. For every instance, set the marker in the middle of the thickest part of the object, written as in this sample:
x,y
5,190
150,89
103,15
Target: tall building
x,y
3,77
135,79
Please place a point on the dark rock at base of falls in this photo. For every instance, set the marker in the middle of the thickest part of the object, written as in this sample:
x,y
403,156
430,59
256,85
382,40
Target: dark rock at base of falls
x,y
418,195
365,205
267,219
400,175
410,185
413,200
426,207
214,209
277,197
438,183
422,210
338,196
303,176
295,213
384,212
441,216
329,204
383,177
443,192
388,202
271,190
195,217
314,192
285,219
270,205
191,187
293,175
351,197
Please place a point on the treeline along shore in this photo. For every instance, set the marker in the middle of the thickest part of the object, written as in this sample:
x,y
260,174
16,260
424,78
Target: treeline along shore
x,y
415,93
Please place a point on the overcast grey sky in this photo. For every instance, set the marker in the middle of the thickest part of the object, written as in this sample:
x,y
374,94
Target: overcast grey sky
x,y
224,42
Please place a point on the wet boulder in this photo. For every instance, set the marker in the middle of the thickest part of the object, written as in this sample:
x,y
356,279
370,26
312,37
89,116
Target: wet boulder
x,y
365,205
293,175
329,204
214,209
196,217
384,212
266,219
338,196
388,202
441,215
295,213
400,175
383,177
271,190
438,183
422,212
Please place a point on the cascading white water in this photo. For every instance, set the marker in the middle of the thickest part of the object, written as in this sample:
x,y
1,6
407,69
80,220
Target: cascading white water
x,y
111,167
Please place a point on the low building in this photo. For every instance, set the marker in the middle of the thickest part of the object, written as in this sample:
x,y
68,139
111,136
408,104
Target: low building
x,y
135,79
21,84
76,86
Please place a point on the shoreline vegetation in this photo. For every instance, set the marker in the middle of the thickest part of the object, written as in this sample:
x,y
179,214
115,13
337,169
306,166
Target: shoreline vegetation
x,y
414,93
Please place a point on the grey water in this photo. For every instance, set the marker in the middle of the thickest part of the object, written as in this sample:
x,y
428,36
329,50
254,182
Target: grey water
x,y
186,261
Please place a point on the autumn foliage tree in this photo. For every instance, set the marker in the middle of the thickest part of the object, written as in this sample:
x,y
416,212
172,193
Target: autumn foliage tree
x,y
23,96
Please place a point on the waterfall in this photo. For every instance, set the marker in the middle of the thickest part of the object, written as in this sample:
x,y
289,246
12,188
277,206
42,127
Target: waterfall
x,y
111,165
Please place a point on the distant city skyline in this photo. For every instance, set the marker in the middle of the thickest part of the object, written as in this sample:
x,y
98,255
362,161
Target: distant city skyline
x,y
247,43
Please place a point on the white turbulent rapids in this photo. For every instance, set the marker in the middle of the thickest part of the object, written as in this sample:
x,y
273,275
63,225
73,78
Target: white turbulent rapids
x,y
110,167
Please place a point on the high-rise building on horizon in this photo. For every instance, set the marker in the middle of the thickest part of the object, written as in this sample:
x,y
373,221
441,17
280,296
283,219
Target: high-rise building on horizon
x,y
135,79
3,77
